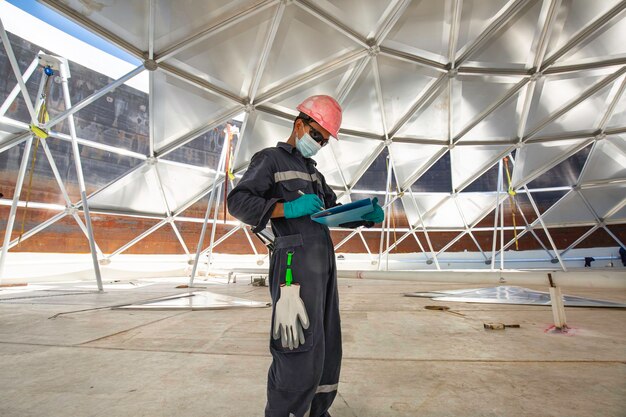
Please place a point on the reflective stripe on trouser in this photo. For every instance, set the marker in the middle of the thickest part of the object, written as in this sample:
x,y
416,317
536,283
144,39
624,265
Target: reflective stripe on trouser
x,y
303,381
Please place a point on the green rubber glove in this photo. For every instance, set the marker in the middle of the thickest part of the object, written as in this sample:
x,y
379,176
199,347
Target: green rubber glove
x,y
376,216
303,206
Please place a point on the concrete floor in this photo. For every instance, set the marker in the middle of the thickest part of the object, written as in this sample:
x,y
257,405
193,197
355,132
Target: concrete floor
x,y
399,358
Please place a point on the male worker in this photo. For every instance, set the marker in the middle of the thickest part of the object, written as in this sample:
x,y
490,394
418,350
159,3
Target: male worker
x,y
283,184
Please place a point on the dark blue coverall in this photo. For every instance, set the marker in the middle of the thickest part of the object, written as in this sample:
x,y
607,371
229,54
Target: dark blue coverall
x,y
301,382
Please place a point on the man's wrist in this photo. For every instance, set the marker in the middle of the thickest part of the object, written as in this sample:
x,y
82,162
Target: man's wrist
x,y
279,210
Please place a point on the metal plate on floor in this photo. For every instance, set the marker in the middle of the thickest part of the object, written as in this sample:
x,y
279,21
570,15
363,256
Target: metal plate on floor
x,y
200,300
511,295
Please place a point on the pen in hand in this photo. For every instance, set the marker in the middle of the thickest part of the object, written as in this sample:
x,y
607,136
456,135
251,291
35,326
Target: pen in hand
x,y
301,193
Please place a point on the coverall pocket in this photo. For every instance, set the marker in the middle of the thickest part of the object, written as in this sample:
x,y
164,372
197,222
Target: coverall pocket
x,y
291,187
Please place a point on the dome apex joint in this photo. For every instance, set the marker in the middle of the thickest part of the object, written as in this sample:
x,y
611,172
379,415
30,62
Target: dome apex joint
x,y
150,64
373,50
151,160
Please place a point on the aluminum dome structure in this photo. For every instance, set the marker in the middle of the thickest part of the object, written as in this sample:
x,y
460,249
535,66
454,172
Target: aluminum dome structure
x,y
444,90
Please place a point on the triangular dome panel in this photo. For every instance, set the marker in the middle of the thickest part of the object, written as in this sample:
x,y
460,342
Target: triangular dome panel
x,y
417,204
174,24
607,161
605,200
358,18
181,107
513,45
229,57
472,95
500,125
414,31
181,184
553,93
604,44
536,158
431,121
575,15
571,209
469,161
475,206
262,130
475,17
361,110
329,84
395,76
353,152
583,117
137,192
293,52
410,159
375,176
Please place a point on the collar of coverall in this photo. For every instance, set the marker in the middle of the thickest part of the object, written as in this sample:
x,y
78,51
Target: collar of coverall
x,y
287,147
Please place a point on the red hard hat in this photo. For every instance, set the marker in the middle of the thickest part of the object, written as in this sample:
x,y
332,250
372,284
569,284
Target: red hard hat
x,y
325,111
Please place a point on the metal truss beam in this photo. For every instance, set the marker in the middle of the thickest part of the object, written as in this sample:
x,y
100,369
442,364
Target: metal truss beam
x,y
347,83
495,221
265,53
379,95
455,24
151,25
413,59
220,240
16,71
16,90
65,137
545,229
215,190
565,69
580,239
612,105
16,140
32,232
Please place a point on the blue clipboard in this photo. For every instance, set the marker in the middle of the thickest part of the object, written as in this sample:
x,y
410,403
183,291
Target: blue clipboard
x,y
344,213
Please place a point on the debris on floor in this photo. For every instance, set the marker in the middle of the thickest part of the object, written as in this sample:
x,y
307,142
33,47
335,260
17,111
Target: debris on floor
x,y
200,300
511,295
500,326
258,282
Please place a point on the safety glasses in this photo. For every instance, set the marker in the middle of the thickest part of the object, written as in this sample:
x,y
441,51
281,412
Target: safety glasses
x,y
316,135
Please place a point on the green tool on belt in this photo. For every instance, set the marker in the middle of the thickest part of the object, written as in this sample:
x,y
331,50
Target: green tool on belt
x,y
288,276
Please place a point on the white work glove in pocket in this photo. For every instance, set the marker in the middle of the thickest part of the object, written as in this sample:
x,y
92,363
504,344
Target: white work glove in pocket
x,y
290,317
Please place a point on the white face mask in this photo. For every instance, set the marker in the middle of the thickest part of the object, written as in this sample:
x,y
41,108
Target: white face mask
x,y
307,145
